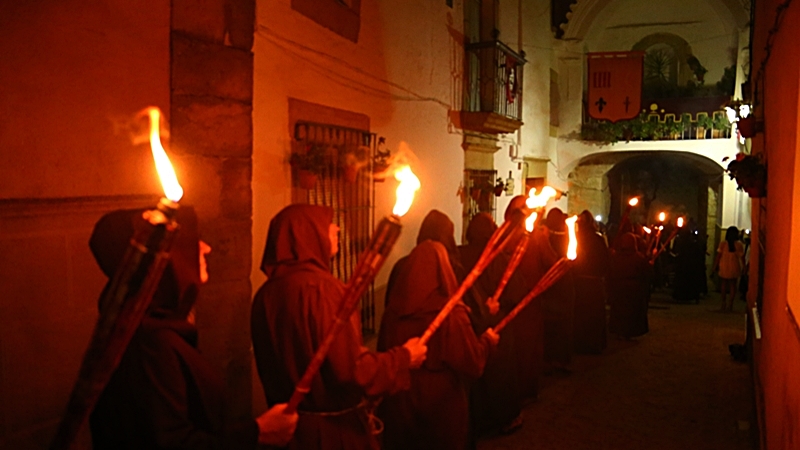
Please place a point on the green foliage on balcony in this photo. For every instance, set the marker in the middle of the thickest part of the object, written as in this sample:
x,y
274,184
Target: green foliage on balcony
x,y
647,127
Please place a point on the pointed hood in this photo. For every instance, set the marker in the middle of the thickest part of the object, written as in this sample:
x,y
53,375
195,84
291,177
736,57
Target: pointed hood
x,y
298,235
480,230
178,288
425,271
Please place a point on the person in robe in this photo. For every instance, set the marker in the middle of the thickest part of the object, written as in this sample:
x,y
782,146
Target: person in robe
x,y
164,393
628,289
291,314
434,413
687,251
528,327
495,402
590,269
559,301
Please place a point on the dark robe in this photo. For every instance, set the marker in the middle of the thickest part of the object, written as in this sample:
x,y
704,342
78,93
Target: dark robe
x,y
528,327
590,269
164,394
628,289
291,315
559,301
494,398
433,414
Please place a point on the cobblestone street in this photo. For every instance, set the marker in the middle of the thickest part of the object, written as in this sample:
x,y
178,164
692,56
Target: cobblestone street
x,y
675,388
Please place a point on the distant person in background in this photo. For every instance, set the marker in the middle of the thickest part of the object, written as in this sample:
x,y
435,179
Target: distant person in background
x,y
558,302
495,400
628,289
434,413
590,271
728,264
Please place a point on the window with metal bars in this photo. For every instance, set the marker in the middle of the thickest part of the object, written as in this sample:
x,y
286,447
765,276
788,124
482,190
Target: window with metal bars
x,y
344,159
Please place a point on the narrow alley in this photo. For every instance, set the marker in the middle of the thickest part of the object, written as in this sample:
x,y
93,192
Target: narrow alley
x,y
675,388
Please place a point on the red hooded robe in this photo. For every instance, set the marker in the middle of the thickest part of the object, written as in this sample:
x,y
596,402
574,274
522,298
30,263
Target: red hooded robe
x,y
291,314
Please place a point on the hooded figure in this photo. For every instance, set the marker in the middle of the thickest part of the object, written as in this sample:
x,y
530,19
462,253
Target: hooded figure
x,y
528,326
164,394
291,314
494,398
559,301
422,285
628,289
590,268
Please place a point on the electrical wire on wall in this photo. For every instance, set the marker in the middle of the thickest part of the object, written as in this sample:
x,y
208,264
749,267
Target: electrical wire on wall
x,y
301,51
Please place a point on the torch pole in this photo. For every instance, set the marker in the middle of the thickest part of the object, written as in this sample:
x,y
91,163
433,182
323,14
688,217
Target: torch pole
x,y
666,243
123,308
557,271
494,300
499,240
386,234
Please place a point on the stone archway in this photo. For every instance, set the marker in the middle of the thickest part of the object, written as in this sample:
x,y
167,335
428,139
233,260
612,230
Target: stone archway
x,y
679,183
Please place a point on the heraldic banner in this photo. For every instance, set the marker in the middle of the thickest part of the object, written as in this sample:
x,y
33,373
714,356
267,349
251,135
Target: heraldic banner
x,y
615,85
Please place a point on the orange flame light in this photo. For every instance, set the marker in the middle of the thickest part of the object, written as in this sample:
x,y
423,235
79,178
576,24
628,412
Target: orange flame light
x,y
680,222
539,200
634,201
662,216
531,221
572,248
647,230
409,185
169,182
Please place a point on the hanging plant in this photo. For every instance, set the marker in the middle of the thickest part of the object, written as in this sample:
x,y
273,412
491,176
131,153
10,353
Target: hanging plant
x,y
309,165
750,174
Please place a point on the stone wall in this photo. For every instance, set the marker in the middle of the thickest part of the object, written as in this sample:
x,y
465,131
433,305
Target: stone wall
x,y
212,131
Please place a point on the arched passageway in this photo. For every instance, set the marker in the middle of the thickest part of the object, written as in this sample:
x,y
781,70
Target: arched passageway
x,y
678,183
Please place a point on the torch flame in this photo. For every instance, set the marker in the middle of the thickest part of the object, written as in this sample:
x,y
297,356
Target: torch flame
x,y
409,184
172,189
572,248
680,222
531,221
539,200
662,216
647,230
634,201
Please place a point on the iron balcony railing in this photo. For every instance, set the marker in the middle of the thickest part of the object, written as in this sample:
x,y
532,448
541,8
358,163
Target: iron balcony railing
x,y
494,79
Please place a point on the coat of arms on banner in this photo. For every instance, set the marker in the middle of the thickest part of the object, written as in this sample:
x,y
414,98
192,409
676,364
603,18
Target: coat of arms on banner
x,y
615,85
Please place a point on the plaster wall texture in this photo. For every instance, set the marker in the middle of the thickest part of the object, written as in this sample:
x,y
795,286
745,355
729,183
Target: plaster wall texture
x,y
777,354
72,75
403,74
533,139
712,36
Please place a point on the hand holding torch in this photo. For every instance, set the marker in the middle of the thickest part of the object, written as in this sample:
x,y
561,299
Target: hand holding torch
x,y
558,270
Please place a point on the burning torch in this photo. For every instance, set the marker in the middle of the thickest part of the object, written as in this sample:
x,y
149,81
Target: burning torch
x,y
384,238
558,270
535,202
670,238
127,297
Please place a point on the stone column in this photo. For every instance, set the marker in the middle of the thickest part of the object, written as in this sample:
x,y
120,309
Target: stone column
x,y
211,94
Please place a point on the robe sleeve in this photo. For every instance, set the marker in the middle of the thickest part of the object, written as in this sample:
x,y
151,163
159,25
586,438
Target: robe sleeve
x,y
165,394
461,349
377,373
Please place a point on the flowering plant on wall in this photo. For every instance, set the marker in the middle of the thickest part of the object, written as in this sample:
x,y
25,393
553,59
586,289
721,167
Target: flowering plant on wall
x,y
750,174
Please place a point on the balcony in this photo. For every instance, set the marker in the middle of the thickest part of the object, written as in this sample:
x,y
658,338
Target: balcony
x,y
664,119
493,97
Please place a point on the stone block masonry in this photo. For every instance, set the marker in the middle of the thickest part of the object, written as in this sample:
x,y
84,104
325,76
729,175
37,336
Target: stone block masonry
x,y
211,93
